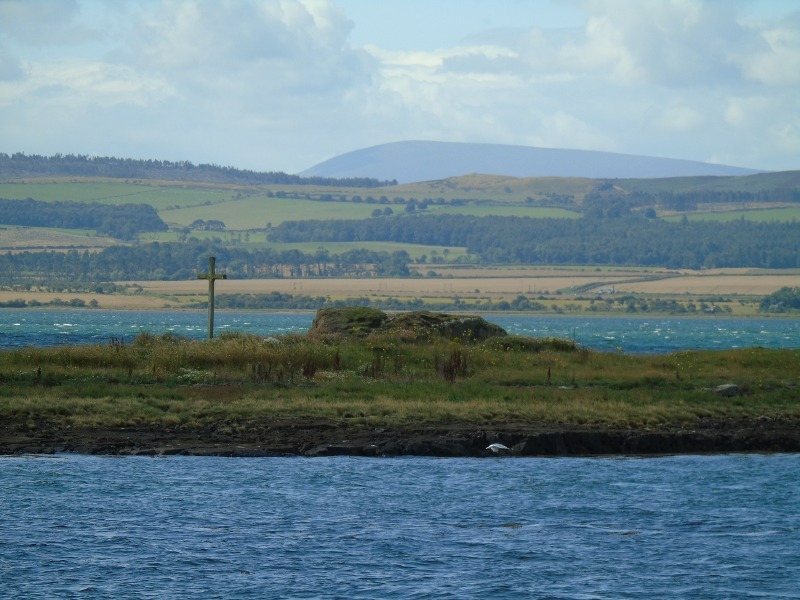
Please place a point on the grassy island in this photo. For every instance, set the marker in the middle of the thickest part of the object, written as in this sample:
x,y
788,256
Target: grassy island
x,y
368,378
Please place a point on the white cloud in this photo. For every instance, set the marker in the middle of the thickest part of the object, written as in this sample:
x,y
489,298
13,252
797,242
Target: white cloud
x,y
680,119
741,111
277,84
777,63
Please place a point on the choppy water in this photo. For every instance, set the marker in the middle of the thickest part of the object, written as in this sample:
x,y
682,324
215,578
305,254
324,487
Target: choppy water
x,y
187,527
19,328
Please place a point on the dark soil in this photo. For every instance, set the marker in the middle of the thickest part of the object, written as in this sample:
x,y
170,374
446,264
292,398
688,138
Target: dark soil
x,y
320,437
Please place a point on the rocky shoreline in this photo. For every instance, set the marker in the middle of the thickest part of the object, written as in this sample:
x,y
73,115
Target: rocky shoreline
x,y
320,437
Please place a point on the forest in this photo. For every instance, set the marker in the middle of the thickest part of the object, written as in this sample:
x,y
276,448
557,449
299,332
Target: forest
x,y
632,241
20,165
616,204
179,261
123,221
626,241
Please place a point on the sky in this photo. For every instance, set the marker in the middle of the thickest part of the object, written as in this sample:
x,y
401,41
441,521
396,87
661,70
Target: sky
x,y
281,85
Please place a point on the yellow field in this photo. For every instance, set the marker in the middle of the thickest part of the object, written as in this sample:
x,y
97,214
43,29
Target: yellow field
x,y
407,288
110,301
749,285
502,283
557,284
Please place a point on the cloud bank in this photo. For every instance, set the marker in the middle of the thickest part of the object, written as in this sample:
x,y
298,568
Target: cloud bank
x,y
279,85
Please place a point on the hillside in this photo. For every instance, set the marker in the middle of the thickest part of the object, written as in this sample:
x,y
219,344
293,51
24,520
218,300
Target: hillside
x,y
497,187
55,227
415,161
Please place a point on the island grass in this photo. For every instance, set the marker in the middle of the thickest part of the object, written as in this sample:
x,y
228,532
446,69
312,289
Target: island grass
x,y
235,379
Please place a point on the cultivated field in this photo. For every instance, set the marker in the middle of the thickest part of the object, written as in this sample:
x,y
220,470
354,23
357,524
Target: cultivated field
x,y
500,284
107,301
245,208
557,285
18,239
499,287
255,212
726,284
159,195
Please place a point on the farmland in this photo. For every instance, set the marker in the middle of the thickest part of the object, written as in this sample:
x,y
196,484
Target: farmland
x,y
567,289
17,239
461,251
476,285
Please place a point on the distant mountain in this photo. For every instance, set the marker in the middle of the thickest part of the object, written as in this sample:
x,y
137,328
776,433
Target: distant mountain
x,y
415,161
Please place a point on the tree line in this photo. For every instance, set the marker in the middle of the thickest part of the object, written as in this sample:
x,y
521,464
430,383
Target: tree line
x,y
627,241
633,241
20,165
606,200
123,221
181,261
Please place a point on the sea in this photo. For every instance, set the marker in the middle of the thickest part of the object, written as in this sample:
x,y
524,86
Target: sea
x,y
635,335
717,527
692,526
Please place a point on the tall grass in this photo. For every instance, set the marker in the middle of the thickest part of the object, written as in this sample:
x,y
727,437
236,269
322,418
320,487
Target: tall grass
x,y
168,380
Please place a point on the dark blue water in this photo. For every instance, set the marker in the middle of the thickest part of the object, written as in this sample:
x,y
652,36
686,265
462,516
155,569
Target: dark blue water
x,y
182,527
19,328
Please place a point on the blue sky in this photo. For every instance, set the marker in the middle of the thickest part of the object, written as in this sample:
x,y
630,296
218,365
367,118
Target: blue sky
x,y
285,84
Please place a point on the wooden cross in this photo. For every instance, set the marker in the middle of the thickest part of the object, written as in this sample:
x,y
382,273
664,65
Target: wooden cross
x,y
211,276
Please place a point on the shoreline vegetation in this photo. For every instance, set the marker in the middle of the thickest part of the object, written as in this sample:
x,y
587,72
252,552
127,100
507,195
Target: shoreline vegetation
x,y
366,383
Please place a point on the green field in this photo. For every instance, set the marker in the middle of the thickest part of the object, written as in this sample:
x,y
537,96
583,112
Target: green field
x,y
257,240
246,208
159,197
496,210
254,212
496,188
12,237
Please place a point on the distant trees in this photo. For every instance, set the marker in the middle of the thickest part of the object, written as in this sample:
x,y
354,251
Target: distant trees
x,y
784,300
209,225
627,239
19,165
175,261
607,200
120,221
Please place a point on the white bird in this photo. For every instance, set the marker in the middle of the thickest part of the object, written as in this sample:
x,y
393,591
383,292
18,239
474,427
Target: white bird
x,y
497,448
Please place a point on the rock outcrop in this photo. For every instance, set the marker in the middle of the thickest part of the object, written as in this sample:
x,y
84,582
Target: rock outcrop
x,y
417,325
357,321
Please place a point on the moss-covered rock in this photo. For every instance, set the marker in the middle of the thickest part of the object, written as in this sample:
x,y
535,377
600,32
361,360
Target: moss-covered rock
x,y
424,324
417,325
358,321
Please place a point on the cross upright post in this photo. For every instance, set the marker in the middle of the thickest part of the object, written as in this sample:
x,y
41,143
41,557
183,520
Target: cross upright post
x,y
212,275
